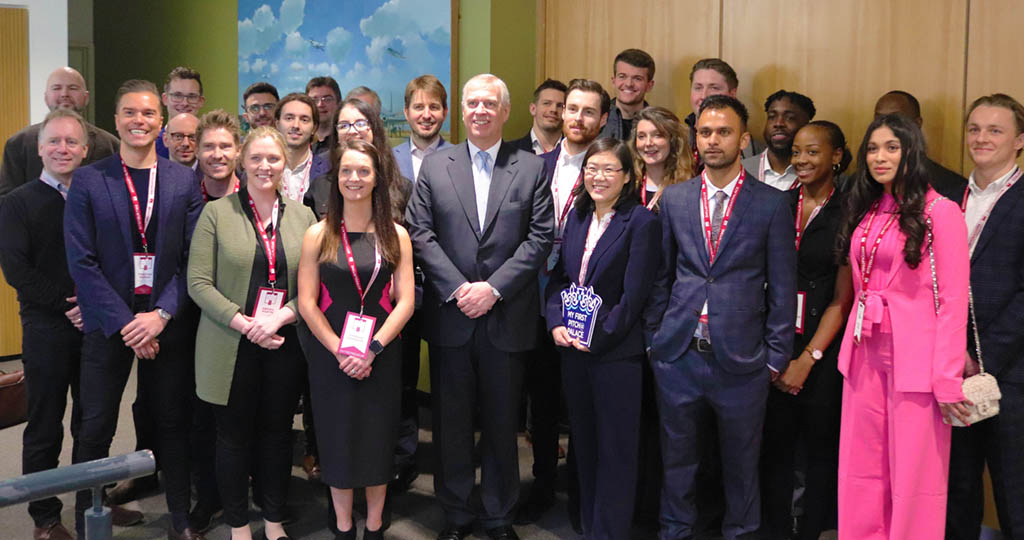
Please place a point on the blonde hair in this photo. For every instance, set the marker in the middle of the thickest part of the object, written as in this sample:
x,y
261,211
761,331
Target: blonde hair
x,y
260,133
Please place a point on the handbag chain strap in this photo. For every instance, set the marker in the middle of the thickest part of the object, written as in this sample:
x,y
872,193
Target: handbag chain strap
x,y
935,287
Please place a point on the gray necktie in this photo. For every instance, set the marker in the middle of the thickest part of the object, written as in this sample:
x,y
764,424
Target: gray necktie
x,y
716,216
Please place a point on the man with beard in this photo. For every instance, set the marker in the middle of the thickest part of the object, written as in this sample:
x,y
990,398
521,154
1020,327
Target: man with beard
x,y
297,120
219,142
721,321
65,89
426,107
546,109
633,77
586,112
259,101
324,91
787,113
180,139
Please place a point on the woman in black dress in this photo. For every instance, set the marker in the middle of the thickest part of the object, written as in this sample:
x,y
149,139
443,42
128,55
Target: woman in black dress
x,y
356,266
804,409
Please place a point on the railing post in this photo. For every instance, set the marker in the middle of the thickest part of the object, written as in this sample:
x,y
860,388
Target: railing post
x,y
98,522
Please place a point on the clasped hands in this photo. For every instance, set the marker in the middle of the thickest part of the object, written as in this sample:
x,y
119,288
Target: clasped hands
x,y
74,314
357,368
475,299
792,380
562,339
140,334
262,331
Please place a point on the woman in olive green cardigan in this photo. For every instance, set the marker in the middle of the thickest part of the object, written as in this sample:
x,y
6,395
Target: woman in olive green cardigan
x,y
248,360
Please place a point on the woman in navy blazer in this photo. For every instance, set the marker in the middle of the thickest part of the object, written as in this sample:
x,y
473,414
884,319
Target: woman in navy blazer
x,y
611,243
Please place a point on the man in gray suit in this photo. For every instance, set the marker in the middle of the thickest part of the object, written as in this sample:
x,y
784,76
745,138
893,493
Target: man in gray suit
x,y
481,221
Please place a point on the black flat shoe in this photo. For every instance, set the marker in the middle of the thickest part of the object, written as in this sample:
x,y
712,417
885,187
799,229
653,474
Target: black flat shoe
x,y
373,535
346,535
452,532
505,532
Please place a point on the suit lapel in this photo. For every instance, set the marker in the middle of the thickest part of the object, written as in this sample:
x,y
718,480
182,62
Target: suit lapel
x,y
575,236
738,210
460,170
501,178
999,212
691,208
164,194
616,227
119,201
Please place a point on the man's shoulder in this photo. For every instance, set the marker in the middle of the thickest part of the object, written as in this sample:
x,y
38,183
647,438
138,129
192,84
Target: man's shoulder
x,y
403,148
98,133
752,163
523,143
97,169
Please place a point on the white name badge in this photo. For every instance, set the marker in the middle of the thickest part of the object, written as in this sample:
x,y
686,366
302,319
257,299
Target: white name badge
x,y
268,302
800,298
145,265
858,324
356,335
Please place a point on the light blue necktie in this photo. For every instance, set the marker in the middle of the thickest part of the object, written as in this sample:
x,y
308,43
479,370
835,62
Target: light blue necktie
x,y
482,186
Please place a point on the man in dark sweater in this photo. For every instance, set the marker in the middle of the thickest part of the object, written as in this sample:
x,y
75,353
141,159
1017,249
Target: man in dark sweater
x,y
65,89
34,263
633,77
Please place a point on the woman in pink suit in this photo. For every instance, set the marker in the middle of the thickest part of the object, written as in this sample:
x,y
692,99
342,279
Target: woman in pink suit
x,y
902,352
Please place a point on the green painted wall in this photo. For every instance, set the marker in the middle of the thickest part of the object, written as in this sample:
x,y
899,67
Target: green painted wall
x,y
146,40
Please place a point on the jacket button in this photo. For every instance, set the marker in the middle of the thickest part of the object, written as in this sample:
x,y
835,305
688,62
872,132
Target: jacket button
x,y
814,312
813,285
711,280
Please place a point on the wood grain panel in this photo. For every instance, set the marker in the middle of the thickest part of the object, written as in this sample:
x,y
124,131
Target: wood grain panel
x,y
844,55
13,116
994,52
582,37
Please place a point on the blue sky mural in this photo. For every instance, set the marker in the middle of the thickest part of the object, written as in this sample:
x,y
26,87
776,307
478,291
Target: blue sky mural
x,y
375,43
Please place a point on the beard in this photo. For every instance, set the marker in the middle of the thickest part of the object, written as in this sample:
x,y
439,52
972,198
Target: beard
x,y
723,159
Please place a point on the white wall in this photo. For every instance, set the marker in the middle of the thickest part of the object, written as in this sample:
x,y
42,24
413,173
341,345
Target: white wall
x,y
47,44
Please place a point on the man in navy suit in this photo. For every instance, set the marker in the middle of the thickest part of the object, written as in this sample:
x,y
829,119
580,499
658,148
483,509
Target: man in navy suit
x,y
481,224
426,107
721,320
127,227
994,210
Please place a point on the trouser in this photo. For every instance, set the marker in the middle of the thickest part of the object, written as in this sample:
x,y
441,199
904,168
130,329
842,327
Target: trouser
x,y
166,384
603,398
254,430
893,454
542,380
476,378
409,425
999,442
51,353
648,488
685,388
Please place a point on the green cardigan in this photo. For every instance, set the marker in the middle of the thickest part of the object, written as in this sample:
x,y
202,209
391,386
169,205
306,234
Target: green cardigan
x,y
219,269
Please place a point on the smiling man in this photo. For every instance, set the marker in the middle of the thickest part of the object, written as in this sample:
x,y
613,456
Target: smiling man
x,y
65,89
183,94
297,120
787,113
259,101
426,107
219,142
633,77
546,110
324,91
480,222
180,139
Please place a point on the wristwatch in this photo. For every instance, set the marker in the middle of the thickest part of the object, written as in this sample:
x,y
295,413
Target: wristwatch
x,y
376,347
163,314
816,354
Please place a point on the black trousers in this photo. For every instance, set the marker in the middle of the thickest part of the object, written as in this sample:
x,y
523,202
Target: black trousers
x,y
476,378
51,352
254,429
409,426
543,383
166,385
998,441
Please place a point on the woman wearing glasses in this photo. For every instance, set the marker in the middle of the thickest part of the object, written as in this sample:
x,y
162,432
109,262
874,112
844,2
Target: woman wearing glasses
x,y
354,263
611,243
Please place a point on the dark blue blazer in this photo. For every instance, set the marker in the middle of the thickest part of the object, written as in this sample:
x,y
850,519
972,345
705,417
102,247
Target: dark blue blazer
x,y
625,257
404,157
997,282
98,221
750,288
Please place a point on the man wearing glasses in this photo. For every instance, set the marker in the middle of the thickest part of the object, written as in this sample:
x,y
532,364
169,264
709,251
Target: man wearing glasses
x,y
180,138
326,93
260,100
183,93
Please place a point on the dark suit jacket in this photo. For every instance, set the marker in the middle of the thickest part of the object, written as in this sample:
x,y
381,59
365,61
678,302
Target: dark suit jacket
x,y
626,254
404,158
21,155
946,182
450,247
750,288
98,221
997,281
524,143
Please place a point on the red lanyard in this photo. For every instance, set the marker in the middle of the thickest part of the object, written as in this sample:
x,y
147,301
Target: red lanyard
x,y
643,194
202,188
355,271
712,243
568,200
976,232
269,243
867,263
141,223
814,213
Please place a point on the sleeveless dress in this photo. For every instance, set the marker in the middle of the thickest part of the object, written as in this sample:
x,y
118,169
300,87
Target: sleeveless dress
x,y
357,421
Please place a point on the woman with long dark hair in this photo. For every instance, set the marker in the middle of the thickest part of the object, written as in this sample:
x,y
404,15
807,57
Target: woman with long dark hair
x,y
902,354
353,263
661,152
804,409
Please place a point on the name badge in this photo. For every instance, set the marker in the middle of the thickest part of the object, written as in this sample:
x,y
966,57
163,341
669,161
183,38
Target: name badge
x,y
268,302
579,312
801,296
858,325
145,265
356,335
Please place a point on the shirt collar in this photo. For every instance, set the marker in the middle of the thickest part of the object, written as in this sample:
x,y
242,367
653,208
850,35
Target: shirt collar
x,y
302,166
994,186
766,166
492,151
414,150
565,158
728,189
49,180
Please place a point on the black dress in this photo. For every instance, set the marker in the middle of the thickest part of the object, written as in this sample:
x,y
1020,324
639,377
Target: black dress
x,y
357,421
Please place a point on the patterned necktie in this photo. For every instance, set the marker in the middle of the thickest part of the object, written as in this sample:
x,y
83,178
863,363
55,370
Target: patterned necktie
x,y
716,216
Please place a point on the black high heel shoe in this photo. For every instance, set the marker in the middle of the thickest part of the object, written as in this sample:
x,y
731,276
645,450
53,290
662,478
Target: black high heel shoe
x,y
346,535
373,535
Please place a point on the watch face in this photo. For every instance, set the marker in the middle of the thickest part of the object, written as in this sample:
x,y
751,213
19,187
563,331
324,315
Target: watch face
x,y
816,354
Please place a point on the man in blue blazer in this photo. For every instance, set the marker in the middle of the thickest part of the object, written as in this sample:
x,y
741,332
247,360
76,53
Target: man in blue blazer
x,y
721,320
480,219
127,226
426,107
994,211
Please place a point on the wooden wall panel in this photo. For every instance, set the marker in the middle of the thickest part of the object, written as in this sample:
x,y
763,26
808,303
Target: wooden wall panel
x,y
844,55
582,37
993,52
14,105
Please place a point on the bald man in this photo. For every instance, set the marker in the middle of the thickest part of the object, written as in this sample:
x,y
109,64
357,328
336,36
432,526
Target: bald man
x,y
180,139
65,89
943,180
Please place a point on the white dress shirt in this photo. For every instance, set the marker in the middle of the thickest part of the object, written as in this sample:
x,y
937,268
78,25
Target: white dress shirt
x,y
780,181
295,182
418,155
481,178
567,172
712,205
538,147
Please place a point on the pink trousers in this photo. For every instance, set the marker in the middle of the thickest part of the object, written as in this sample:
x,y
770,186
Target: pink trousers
x,y
893,453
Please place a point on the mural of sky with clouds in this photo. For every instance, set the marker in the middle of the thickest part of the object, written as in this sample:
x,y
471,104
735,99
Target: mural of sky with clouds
x,y
375,43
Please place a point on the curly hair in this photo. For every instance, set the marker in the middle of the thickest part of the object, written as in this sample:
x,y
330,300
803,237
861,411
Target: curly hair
x,y
679,165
